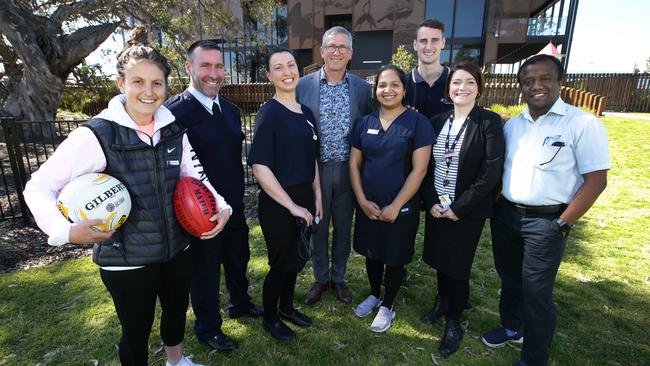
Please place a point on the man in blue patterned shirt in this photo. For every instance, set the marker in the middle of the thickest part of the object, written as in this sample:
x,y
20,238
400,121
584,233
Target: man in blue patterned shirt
x,y
337,99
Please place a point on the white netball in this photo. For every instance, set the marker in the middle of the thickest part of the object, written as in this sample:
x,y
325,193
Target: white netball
x,y
95,196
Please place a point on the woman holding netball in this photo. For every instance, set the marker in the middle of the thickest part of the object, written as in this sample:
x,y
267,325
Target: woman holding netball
x,y
136,141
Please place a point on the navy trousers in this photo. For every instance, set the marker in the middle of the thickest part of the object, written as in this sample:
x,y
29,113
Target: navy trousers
x,y
229,248
528,249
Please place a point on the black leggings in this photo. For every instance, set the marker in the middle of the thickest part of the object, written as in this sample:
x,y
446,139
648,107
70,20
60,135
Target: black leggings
x,y
134,295
393,281
457,291
278,287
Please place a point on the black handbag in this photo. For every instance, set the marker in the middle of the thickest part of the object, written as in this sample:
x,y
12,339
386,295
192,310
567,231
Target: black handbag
x,y
305,233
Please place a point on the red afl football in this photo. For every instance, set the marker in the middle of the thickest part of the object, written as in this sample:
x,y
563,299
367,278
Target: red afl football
x,y
194,204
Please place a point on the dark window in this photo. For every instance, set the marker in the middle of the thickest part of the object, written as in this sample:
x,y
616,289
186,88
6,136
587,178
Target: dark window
x,y
469,18
372,49
443,10
341,20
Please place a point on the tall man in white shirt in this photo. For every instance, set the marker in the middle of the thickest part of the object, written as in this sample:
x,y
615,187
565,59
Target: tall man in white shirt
x,y
555,168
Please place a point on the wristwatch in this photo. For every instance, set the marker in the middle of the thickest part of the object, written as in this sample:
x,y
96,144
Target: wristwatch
x,y
564,226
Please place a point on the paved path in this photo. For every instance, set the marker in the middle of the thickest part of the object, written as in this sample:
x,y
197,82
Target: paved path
x,y
627,115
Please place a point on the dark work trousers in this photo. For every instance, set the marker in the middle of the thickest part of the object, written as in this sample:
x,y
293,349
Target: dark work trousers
x,y
338,206
230,248
528,250
134,295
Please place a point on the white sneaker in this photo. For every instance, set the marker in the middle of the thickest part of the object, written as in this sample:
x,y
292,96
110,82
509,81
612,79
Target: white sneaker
x,y
185,361
383,320
365,308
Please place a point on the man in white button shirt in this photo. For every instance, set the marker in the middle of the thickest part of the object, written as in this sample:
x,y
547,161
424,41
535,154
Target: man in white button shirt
x,y
555,168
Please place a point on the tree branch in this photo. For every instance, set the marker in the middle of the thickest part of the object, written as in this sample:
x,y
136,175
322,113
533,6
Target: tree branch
x,y
81,43
64,12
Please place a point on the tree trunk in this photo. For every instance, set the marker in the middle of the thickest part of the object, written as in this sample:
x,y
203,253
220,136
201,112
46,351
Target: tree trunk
x,y
48,56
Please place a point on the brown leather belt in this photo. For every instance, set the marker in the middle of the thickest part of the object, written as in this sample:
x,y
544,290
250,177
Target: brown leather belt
x,y
525,209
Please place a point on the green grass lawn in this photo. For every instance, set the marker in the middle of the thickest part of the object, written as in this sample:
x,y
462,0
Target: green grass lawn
x,y
62,315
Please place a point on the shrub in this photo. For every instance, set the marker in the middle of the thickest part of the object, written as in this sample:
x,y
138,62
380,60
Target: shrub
x,y
507,112
403,59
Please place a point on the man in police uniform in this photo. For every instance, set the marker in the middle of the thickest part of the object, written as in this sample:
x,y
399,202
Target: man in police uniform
x,y
555,168
214,130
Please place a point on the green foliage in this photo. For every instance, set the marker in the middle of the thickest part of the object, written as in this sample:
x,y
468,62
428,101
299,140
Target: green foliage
x,y
507,112
62,315
403,59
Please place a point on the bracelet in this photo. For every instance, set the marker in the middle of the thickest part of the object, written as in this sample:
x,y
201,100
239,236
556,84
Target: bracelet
x,y
229,209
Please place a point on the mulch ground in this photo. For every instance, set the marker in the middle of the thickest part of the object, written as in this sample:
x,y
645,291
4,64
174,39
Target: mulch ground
x,y
23,247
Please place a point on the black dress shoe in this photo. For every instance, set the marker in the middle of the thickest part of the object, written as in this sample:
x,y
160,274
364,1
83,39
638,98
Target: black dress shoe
x,y
451,338
296,318
279,330
221,343
438,311
249,311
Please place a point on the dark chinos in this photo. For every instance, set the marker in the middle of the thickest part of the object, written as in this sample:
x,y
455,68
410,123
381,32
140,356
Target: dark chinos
x,y
337,196
450,246
217,141
285,143
387,157
528,249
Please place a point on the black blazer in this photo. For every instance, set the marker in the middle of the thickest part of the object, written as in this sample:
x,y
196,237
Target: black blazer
x,y
480,168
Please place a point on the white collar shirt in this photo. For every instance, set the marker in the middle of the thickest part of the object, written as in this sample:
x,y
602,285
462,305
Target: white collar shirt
x,y
546,158
205,101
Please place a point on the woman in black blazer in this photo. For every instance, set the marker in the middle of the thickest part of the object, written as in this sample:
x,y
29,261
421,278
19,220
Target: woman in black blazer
x,y
458,193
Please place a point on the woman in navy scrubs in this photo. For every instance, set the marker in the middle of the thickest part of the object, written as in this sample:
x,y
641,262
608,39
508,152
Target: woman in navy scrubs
x,y
458,193
283,157
388,160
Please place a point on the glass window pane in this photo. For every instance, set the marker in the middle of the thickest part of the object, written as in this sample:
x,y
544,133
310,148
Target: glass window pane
x,y
467,53
469,18
443,10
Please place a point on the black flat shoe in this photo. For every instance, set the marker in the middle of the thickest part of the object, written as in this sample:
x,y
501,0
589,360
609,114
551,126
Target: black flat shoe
x,y
221,343
296,318
279,331
251,311
438,311
451,338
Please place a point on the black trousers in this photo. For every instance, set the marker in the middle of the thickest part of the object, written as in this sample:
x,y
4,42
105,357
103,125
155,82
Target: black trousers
x,y
134,295
528,250
229,248
456,292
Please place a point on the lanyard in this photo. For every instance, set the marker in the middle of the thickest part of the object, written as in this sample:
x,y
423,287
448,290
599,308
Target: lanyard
x,y
448,150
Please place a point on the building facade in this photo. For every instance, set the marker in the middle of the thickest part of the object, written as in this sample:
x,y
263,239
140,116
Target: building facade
x,y
488,32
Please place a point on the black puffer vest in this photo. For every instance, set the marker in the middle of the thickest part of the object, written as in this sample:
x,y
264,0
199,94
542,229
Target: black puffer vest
x,y
151,234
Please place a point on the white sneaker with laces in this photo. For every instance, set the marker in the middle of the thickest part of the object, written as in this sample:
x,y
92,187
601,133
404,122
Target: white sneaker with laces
x,y
365,308
383,320
185,361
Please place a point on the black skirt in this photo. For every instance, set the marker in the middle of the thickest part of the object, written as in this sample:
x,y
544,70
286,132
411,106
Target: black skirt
x,y
449,246
392,244
281,230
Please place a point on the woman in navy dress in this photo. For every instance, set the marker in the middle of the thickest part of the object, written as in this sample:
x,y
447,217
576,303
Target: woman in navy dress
x,y
458,193
388,160
283,156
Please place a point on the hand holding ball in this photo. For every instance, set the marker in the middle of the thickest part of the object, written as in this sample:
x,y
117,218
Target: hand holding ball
x,y
95,196
194,205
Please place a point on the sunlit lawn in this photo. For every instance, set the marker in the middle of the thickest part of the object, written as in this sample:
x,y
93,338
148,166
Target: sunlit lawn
x,y
62,315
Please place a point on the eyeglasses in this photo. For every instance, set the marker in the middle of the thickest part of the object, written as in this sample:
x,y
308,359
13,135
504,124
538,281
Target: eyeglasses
x,y
559,145
332,49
